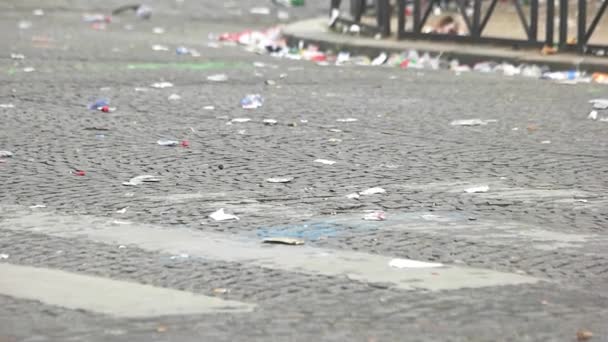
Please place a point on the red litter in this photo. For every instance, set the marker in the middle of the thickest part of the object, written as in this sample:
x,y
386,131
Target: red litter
x,y
78,173
185,143
105,109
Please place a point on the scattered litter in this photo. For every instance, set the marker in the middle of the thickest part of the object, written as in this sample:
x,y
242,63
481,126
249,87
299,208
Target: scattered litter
x,y
158,30
161,85
335,130
469,122
600,104
209,108
289,3
279,180
270,82
121,223
7,105
184,143
96,18
122,211
270,122
406,263
141,179
252,101
584,335
353,196
220,291
79,173
24,24
477,189
241,131
325,161
162,329
166,142
220,215
240,120
141,11
38,12
4,256
372,191
347,120
218,78
17,56
160,48
284,241
182,50
29,69
37,206
375,216
381,59
260,10
174,97
180,256
592,115
6,154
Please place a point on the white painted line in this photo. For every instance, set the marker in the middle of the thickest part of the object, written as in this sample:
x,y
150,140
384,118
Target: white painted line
x,y
106,296
303,259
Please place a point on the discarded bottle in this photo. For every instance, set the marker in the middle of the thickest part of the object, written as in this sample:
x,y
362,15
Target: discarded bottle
x,y
252,101
562,75
99,104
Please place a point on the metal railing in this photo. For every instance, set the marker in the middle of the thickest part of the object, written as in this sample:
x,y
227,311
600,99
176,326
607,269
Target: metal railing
x,y
476,21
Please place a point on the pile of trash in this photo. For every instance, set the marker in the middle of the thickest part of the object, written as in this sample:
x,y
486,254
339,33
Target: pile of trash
x,y
272,42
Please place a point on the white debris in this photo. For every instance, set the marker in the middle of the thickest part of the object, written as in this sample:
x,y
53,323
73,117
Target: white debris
x,y
604,119
347,120
279,180
17,56
375,216
545,142
477,189
140,89
325,161
122,211
353,196
161,85
592,115
24,24
158,30
38,12
6,154
180,256
270,122
260,10
372,191
165,142
469,122
36,206
335,130
174,97
141,179
599,103
218,78
29,69
209,108
406,263
160,47
220,215
240,120
7,105
4,256
121,223
381,59
284,241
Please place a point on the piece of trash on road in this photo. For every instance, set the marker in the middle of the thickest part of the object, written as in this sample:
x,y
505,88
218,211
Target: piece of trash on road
x,y
162,329
279,179
477,189
407,263
7,105
141,11
270,82
4,256
24,24
260,10
38,12
252,101
375,216
381,59
161,85
372,191
158,30
469,122
160,47
36,206
289,3
347,120
6,154
29,69
166,142
583,335
353,196
220,290
122,211
17,56
80,173
270,122
180,256
218,78
141,179
182,50
284,241
599,103
240,120
592,115
220,215
325,161
209,107
174,97
545,142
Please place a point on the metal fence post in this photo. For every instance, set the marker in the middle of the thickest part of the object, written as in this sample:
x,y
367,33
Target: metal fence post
x,y
582,25
550,22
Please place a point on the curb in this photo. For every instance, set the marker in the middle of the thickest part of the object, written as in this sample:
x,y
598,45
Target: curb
x,y
467,54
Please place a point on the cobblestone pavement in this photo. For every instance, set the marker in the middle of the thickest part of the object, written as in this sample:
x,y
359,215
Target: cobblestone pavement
x,y
543,218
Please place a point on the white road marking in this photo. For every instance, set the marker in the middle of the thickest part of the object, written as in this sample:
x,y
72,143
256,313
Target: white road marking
x,y
302,259
107,296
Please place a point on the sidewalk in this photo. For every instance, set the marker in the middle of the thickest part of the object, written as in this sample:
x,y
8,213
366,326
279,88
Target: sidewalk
x,y
316,31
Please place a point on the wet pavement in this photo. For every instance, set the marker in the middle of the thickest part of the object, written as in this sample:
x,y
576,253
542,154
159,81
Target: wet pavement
x,y
523,260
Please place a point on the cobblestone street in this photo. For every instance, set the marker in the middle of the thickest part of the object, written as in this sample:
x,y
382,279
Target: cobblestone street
x,y
526,260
